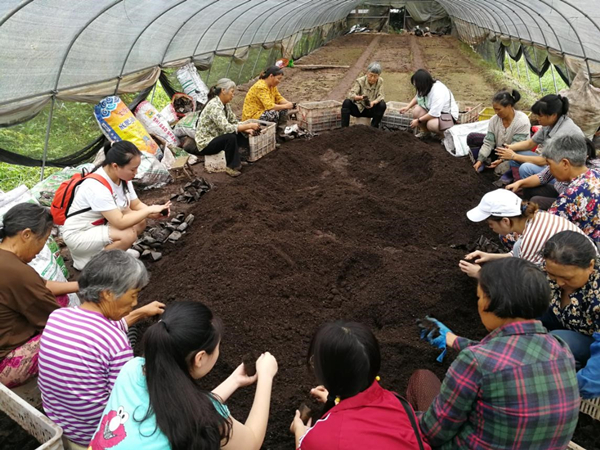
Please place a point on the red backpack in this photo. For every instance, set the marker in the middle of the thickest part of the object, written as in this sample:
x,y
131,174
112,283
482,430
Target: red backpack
x,y
63,198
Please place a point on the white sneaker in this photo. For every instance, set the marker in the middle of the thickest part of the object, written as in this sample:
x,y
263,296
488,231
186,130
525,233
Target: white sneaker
x,y
133,253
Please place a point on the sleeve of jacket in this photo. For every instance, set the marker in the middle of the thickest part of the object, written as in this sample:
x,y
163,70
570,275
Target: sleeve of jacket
x,y
451,408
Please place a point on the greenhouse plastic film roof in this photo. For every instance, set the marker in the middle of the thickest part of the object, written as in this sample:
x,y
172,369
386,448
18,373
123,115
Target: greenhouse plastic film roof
x,y
81,49
74,47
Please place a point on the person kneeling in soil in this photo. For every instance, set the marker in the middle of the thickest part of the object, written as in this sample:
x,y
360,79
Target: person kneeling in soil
x,y
26,299
99,219
358,413
574,314
219,130
514,389
435,109
83,349
366,98
508,126
542,188
264,102
158,404
506,213
551,111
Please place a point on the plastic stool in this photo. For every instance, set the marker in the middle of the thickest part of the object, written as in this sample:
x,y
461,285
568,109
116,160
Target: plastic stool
x,y
215,163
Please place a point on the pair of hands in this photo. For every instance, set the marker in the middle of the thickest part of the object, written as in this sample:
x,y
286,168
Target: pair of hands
x,y
414,123
156,211
473,264
298,427
266,366
250,127
359,98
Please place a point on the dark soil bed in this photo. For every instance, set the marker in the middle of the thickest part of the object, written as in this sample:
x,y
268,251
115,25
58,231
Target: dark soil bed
x,y
13,437
354,224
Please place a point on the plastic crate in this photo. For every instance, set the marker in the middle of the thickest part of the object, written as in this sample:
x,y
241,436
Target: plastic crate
x,y
468,112
31,420
393,119
264,143
320,116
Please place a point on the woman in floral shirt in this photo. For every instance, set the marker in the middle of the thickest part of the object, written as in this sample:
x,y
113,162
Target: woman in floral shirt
x,y
574,313
580,203
218,129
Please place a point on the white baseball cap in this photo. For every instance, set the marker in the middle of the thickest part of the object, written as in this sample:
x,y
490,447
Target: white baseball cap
x,y
499,203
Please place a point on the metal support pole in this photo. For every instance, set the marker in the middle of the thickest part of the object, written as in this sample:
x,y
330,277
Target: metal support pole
x,y
45,155
518,70
553,78
509,63
153,91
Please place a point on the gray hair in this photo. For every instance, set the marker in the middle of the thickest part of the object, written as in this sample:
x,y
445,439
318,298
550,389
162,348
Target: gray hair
x,y
225,84
374,67
112,271
573,148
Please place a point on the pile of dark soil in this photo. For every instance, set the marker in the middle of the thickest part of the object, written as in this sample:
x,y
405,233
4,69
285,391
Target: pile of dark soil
x,y
12,436
354,224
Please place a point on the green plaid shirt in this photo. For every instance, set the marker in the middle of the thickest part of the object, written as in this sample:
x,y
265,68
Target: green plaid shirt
x,y
516,389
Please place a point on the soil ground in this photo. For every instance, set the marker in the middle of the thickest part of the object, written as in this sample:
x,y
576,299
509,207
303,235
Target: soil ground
x,y
354,224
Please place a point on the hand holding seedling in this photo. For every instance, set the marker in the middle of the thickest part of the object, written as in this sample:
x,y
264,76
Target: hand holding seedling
x,y
158,211
152,309
266,366
319,393
242,378
469,267
434,332
298,428
505,153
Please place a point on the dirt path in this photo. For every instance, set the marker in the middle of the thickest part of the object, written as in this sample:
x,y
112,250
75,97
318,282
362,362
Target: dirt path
x,y
340,91
418,61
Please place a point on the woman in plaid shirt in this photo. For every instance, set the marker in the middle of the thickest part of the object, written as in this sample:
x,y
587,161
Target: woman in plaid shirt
x,y
516,388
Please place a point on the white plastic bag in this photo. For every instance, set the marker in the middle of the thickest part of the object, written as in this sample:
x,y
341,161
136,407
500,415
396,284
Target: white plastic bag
x,y
192,84
151,173
154,123
168,112
455,138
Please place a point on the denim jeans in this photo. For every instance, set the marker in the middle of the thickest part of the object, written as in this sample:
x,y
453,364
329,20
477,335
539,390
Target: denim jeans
x,y
578,343
528,169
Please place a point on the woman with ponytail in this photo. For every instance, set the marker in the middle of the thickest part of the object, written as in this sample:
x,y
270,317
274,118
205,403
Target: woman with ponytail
x,y
506,213
100,218
551,111
218,129
264,102
508,126
357,413
158,402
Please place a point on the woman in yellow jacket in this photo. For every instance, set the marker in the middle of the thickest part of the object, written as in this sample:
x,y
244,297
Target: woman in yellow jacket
x,y
264,102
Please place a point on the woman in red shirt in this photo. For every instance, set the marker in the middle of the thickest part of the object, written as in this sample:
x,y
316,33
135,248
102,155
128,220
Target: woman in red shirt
x,y
358,412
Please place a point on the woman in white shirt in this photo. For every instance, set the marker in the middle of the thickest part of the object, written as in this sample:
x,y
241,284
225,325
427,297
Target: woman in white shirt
x,y
432,100
102,219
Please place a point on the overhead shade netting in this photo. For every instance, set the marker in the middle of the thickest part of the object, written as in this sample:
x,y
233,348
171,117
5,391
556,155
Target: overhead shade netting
x,y
79,50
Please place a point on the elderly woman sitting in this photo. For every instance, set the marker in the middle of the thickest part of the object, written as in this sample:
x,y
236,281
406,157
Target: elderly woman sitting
x,y
83,349
366,98
218,128
26,300
574,313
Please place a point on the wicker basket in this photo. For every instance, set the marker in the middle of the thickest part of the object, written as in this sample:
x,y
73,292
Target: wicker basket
x,y
31,420
393,119
320,116
468,112
264,143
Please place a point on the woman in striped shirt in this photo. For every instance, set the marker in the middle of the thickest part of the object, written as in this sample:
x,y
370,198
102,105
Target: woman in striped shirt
x,y
506,213
83,349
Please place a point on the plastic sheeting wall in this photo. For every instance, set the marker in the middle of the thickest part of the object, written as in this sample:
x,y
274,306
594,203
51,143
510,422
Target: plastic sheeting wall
x,y
81,49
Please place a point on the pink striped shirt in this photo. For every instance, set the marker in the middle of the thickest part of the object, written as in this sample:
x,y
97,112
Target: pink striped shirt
x,y
537,232
81,354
